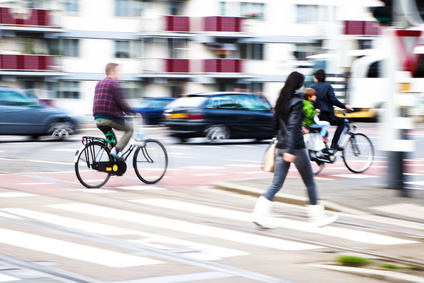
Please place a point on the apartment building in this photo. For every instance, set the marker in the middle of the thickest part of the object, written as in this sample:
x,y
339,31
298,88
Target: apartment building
x,y
58,49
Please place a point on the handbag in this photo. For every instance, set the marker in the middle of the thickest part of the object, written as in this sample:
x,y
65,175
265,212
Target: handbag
x,y
268,161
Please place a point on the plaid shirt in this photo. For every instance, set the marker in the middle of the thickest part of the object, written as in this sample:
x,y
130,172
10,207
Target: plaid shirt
x,y
109,102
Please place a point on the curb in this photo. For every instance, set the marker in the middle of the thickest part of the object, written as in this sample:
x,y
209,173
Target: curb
x,y
390,276
286,198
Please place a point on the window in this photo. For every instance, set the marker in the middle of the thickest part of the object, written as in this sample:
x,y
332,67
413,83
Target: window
x,y
374,70
239,102
127,49
307,13
253,51
365,44
13,98
64,89
303,50
132,89
252,10
70,47
177,48
128,8
175,8
243,9
71,7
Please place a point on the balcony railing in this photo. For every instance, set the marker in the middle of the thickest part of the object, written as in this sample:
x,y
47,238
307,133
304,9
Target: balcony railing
x,y
177,23
223,66
177,66
361,28
37,18
226,24
26,62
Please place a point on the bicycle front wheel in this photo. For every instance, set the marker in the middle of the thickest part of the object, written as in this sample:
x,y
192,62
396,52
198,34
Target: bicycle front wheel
x,y
317,167
87,160
358,153
150,162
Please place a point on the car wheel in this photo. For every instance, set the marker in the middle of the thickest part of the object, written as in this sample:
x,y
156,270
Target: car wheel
x,y
217,133
182,139
60,130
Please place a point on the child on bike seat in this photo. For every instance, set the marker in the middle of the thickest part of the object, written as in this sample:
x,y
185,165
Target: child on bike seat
x,y
310,114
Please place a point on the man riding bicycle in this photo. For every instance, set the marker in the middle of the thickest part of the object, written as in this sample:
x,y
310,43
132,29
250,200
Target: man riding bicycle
x,y
109,107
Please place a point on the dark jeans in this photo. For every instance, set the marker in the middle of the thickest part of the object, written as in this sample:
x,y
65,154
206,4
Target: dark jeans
x,y
303,165
334,121
127,128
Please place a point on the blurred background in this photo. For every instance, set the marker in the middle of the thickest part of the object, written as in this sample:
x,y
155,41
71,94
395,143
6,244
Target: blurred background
x,y
58,49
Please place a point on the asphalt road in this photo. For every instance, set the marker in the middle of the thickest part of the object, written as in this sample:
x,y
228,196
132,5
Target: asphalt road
x,y
179,230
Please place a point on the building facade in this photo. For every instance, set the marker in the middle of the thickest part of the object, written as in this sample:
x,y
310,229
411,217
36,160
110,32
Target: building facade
x,y
58,49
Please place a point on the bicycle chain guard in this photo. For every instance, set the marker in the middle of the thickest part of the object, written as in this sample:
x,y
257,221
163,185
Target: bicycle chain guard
x,y
116,167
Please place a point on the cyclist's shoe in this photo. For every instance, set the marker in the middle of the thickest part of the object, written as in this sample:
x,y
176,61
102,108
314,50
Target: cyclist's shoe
x,y
338,148
324,139
116,153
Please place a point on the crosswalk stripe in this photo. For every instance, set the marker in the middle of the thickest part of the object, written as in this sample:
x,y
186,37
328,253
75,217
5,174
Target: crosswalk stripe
x,y
185,227
194,250
344,233
72,250
7,278
15,195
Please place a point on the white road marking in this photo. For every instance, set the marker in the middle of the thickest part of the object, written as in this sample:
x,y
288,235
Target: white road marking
x,y
204,251
6,278
254,172
354,176
208,174
405,209
186,227
35,183
349,234
15,195
65,149
72,250
40,161
245,165
324,179
142,188
419,183
204,167
96,191
239,160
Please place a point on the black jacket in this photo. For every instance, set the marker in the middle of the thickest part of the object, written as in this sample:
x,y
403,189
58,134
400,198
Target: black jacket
x,y
326,97
290,137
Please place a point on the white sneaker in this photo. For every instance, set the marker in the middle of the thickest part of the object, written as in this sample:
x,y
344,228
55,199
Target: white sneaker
x,y
318,217
261,213
115,153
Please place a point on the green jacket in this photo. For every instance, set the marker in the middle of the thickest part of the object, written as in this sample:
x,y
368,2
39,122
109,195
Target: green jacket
x,y
309,113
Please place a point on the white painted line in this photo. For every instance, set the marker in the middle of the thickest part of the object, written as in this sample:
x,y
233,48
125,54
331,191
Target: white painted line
x,y
187,277
405,209
239,160
246,165
354,176
415,165
7,215
204,167
142,188
244,146
6,278
185,227
15,195
253,172
72,250
96,191
205,175
65,149
324,179
349,234
35,183
205,251
419,183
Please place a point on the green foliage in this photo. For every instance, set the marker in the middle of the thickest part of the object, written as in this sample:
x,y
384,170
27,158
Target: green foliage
x,y
390,266
416,267
354,261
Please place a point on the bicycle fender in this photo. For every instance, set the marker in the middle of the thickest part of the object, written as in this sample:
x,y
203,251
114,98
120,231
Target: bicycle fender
x,y
77,152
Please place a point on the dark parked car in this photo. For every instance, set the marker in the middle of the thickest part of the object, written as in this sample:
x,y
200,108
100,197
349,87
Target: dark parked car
x,y
218,116
151,108
22,114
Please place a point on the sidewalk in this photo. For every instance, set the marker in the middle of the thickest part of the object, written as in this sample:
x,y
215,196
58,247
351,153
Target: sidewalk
x,y
340,196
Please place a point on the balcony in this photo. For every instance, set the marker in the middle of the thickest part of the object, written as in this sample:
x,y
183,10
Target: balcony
x,y
177,23
361,28
177,66
26,62
223,66
222,24
38,18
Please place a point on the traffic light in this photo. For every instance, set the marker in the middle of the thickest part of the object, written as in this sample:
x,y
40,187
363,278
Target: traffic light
x,y
384,14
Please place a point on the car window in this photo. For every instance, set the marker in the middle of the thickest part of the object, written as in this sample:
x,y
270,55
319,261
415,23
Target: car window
x,y
10,97
187,102
240,102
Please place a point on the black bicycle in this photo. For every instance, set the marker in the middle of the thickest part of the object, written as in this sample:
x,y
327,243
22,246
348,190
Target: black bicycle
x,y
357,150
94,165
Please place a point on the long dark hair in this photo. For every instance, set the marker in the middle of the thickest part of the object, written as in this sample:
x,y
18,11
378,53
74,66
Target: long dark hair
x,y
294,81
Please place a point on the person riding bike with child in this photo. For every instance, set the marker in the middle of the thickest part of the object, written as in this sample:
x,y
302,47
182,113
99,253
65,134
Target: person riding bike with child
x,y
310,114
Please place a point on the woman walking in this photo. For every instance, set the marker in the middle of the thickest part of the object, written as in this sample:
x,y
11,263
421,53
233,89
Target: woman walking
x,y
288,117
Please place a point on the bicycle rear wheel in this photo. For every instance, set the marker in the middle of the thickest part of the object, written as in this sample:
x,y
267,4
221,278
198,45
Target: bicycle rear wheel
x,y
358,153
150,162
317,167
90,155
